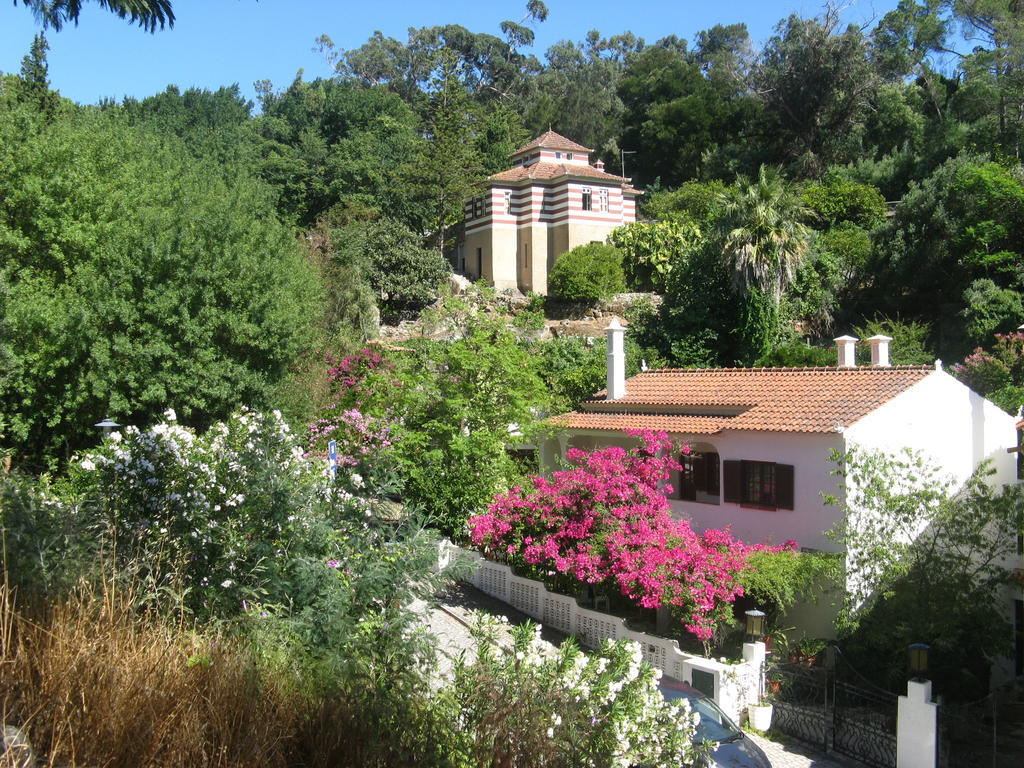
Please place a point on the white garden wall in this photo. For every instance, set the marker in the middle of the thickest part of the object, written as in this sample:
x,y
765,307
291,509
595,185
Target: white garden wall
x,y
735,685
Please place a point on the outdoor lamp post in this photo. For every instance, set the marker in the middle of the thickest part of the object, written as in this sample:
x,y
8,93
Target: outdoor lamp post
x,y
917,661
755,626
107,425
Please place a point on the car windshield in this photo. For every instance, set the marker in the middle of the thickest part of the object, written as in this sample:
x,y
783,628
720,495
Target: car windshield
x,y
714,725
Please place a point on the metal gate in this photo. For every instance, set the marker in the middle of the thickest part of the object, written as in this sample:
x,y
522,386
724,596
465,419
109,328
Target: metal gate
x,y
832,707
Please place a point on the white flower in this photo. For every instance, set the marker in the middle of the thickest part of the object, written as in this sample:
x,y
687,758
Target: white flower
x,y
227,583
87,465
170,415
115,437
551,733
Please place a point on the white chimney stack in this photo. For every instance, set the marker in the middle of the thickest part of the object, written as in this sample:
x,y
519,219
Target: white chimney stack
x,y
616,360
880,350
846,346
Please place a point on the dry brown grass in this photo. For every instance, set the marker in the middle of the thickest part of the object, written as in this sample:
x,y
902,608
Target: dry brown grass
x,y
96,684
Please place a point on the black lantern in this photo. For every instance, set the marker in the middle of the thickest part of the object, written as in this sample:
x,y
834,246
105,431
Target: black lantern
x,y
755,626
917,660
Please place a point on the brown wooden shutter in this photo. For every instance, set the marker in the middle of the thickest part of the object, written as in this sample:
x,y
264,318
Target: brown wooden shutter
x,y
700,473
784,486
714,474
732,480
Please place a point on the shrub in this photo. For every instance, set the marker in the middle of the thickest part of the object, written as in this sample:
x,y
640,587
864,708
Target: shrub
x,y
909,344
606,520
588,273
843,200
404,274
797,354
570,709
44,544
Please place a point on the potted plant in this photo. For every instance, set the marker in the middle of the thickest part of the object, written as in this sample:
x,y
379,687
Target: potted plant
x,y
759,715
809,648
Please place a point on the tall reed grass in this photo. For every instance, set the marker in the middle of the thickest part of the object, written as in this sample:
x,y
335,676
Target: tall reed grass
x,y
95,683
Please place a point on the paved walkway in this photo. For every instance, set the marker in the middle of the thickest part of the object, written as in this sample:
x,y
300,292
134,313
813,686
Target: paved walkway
x,y
448,619
795,755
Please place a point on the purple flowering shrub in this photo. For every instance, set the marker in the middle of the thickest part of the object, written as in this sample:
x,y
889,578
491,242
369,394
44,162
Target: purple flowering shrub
x,y
997,373
362,439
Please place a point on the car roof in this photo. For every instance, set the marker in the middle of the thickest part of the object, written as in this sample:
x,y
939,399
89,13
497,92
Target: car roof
x,y
685,688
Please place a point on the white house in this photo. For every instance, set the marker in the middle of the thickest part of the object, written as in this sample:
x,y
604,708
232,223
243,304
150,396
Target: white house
x,y
762,437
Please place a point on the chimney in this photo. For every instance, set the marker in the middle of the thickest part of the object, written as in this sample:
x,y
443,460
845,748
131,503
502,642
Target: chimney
x,y
880,351
846,346
616,360
599,164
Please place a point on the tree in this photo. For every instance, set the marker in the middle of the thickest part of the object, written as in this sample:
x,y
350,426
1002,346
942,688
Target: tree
x,y
765,237
34,83
927,561
449,163
404,274
962,223
148,14
452,407
672,114
815,85
575,94
649,250
139,277
334,150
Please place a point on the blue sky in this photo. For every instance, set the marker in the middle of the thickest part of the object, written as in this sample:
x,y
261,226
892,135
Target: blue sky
x,y
220,42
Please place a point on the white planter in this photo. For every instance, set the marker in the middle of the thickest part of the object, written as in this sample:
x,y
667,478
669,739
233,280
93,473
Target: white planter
x,y
760,716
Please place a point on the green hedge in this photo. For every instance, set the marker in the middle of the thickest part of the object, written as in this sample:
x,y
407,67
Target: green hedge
x,y
588,273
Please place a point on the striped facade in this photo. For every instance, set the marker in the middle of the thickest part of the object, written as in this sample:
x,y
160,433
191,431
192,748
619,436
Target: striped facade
x,y
551,200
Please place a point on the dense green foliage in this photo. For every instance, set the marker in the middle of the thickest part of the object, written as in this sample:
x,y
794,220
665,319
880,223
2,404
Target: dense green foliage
x,y
137,277
779,158
587,273
926,561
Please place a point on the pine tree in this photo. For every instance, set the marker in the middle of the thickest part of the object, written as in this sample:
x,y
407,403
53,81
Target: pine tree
x,y
450,163
34,85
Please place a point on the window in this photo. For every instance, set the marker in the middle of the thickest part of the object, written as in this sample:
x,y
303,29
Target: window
x,y
569,156
558,155
698,479
759,484
478,207
588,199
479,262
508,201
603,198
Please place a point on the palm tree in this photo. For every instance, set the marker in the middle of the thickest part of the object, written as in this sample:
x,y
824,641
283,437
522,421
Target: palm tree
x,y
765,237
148,14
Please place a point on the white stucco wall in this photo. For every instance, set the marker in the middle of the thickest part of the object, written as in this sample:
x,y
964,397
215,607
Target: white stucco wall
x,y
947,422
809,518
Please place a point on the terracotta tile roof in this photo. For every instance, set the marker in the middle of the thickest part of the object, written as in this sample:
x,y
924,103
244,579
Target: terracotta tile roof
x,y
764,399
690,424
552,140
546,170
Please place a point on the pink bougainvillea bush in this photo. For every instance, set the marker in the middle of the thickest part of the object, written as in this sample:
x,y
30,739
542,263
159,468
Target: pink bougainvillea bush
x,y
606,520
